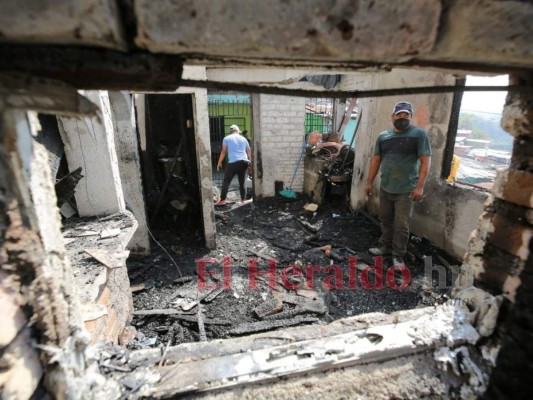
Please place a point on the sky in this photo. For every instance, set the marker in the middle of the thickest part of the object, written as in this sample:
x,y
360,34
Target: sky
x,y
491,102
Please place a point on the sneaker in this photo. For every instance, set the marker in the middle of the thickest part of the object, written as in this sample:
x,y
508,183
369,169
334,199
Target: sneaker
x,y
380,251
398,262
220,203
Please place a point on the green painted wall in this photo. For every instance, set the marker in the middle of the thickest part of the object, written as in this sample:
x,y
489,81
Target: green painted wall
x,y
236,109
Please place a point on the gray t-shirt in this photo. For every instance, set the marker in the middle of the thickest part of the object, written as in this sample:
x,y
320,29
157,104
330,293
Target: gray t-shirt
x,y
399,153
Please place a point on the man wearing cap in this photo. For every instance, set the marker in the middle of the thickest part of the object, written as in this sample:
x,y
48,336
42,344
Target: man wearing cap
x,y
239,156
404,154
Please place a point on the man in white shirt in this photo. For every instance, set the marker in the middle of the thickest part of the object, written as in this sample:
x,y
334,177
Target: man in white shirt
x,y
239,155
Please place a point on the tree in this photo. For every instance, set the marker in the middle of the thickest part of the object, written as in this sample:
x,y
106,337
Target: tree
x,y
471,122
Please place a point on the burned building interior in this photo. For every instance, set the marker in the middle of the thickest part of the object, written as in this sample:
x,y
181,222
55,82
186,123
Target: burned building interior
x,y
121,276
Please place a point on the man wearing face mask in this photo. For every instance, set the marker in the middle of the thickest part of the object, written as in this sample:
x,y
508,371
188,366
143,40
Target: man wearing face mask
x,y
404,154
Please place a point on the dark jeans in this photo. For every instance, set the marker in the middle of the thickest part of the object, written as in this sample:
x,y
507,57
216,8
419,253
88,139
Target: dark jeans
x,y
395,212
239,168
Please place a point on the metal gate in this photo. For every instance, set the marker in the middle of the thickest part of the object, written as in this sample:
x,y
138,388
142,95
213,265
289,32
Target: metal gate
x,y
216,130
319,114
226,110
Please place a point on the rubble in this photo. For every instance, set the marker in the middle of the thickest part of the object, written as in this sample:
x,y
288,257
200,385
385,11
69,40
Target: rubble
x,y
277,233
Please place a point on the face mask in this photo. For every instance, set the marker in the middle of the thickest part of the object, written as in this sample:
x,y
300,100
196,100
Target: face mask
x,y
401,124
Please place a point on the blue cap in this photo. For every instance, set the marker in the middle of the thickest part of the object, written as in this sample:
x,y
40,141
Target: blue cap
x,y
403,106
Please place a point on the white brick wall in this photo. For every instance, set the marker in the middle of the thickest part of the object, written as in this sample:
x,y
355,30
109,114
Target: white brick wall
x,y
282,124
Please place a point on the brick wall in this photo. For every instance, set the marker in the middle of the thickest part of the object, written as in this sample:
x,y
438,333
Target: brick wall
x,y
281,133
506,265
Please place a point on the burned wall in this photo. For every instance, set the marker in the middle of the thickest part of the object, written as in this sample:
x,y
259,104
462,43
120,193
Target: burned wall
x,y
203,150
129,165
500,257
35,274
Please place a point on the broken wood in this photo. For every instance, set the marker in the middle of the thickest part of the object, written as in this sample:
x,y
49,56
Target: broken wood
x,y
109,259
364,346
308,293
194,319
66,186
183,279
261,326
109,233
86,233
200,318
138,287
211,296
171,334
349,250
306,225
333,255
157,311
269,307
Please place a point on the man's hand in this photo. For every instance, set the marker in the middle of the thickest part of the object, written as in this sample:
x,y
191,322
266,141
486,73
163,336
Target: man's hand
x,y
368,189
417,194
219,165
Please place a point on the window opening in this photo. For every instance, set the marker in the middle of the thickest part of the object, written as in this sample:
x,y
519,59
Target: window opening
x,y
481,146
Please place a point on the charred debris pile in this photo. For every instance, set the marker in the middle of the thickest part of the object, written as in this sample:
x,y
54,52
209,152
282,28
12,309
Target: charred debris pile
x,y
277,264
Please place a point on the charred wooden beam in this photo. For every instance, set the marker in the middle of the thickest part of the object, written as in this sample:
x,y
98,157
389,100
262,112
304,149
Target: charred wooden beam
x,y
194,319
261,326
91,68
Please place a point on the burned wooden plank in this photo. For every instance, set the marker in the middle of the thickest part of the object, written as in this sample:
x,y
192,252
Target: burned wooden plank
x,y
308,293
137,288
104,69
269,307
312,307
378,343
261,326
194,319
158,311
109,259
184,279
209,298
201,323
306,225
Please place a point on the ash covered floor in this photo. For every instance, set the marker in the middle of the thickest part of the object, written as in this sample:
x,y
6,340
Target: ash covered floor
x,y
165,299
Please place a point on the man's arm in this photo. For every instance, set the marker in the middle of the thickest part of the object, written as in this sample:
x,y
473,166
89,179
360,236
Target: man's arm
x,y
418,192
375,162
249,153
222,156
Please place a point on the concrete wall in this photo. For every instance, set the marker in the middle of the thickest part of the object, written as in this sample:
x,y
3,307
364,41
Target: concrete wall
x,y
448,215
340,30
129,164
92,22
279,128
90,144
39,301
203,151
